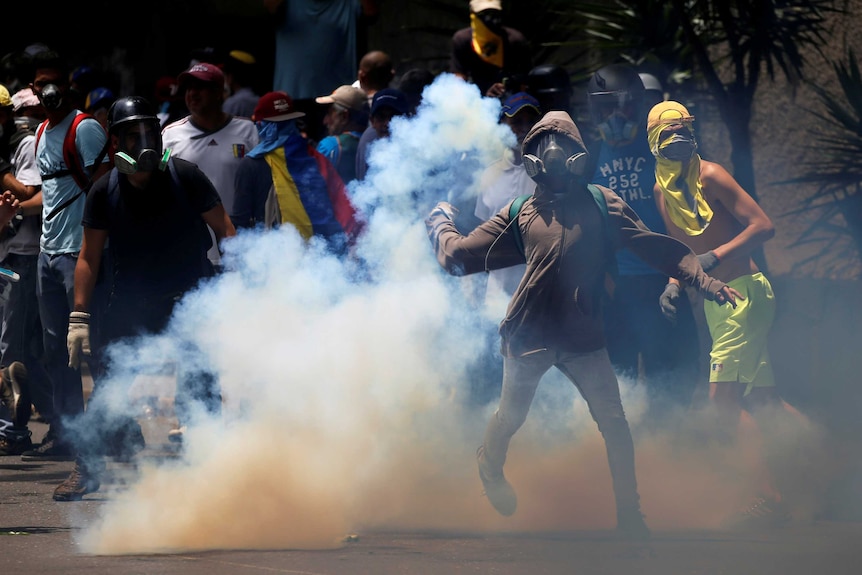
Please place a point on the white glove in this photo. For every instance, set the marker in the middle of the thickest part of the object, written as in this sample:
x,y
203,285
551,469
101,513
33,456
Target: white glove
x,y
447,209
78,339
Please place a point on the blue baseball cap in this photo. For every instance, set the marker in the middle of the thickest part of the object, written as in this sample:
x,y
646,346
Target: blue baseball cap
x,y
390,98
517,102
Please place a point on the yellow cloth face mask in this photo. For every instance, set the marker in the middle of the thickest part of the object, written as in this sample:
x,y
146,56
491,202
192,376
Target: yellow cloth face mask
x,y
682,190
486,44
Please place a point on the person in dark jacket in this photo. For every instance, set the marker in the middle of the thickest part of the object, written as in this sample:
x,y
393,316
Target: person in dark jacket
x,y
554,318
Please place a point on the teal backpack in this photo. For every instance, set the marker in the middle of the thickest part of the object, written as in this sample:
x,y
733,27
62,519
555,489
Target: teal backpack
x,y
598,196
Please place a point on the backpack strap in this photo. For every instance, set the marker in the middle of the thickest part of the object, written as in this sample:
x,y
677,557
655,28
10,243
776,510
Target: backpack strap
x,y
71,157
602,204
514,210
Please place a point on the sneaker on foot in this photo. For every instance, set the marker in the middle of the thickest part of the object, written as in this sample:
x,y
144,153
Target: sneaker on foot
x,y
50,450
497,489
176,435
631,525
15,442
81,481
13,393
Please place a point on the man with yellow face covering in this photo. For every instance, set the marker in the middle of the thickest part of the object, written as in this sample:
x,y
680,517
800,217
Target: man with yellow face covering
x,y
488,54
704,207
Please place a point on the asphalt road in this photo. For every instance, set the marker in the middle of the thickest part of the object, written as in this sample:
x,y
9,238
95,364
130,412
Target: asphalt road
x,y
39,536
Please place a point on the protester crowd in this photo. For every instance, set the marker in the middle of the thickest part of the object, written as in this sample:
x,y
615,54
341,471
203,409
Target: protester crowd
x,y
623,239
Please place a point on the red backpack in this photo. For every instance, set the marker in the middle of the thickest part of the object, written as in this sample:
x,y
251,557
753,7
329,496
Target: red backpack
x,y
71,157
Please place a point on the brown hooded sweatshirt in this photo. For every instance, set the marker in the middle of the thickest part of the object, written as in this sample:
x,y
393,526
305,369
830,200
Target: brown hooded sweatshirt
x,y
557,305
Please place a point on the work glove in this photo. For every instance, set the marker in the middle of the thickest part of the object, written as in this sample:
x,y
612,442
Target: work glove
x,y
445,208
78,339
708,260
667,301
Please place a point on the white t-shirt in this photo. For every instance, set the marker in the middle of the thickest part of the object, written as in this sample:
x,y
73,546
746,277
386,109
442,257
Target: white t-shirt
x,y
26,241
217,154
500,183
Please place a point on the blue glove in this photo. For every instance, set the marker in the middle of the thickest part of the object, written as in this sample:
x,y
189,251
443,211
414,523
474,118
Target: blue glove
x,y
708,260
667,300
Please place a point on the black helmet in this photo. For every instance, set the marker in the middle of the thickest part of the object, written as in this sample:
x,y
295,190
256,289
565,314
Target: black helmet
x,y
130,109
616,95
548,78
132,120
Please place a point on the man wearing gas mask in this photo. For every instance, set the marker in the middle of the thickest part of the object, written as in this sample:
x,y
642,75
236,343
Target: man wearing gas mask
x,y
155,210
554,319
637,333
60,241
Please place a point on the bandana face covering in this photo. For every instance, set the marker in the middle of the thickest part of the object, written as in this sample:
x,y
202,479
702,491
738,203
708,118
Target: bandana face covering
x,y
486,44
677,168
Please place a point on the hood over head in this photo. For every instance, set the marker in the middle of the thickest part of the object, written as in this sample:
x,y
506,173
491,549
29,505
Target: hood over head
x,y
554,151
558,123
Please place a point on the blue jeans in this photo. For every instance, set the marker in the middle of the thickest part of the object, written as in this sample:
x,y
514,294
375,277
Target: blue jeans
x,y
21,334
593,375
55,291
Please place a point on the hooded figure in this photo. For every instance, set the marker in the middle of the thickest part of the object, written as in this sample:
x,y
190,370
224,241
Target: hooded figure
x,y
554,317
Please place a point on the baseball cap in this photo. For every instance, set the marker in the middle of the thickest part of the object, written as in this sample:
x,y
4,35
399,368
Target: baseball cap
x,y
390,98
24,98
477,6
669,112
275,107
347,96
203,72
517,102
5,99
242,57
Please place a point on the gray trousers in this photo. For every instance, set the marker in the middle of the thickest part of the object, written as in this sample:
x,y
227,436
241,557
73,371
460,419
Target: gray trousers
x,y
594,377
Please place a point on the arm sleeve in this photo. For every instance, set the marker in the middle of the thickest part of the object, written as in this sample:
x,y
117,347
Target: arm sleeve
x,y
489,246
662,252
252,182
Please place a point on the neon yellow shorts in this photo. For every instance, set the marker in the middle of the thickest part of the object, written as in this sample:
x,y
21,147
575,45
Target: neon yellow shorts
x,y
740,335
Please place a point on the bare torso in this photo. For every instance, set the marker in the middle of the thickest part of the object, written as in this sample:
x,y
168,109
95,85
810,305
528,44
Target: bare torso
x,y
727,227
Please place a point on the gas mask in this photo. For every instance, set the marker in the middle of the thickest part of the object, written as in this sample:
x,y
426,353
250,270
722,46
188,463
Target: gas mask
x,y
139,148
678,148
617,129
551,160
51,97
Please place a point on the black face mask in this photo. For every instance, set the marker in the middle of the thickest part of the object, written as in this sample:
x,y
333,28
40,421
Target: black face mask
x,y
51,97
678,148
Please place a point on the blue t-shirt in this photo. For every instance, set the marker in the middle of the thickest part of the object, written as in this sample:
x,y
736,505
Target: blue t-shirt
x,y
630,172
63,233
315,47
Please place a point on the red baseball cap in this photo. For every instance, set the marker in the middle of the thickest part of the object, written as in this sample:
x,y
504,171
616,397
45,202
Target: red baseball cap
x,y
202,72
275,107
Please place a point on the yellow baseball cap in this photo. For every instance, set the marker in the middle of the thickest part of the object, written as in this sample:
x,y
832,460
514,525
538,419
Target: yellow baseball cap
x,y
5,98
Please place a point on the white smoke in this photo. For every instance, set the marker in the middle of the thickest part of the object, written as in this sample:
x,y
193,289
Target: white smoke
x,y
345,393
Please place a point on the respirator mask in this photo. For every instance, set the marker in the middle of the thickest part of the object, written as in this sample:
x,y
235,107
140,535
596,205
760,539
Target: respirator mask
x,y
51,97
552,160
139,148
616,116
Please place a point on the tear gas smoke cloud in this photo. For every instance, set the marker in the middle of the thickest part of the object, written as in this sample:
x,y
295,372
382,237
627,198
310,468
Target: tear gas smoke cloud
x,y
345,400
